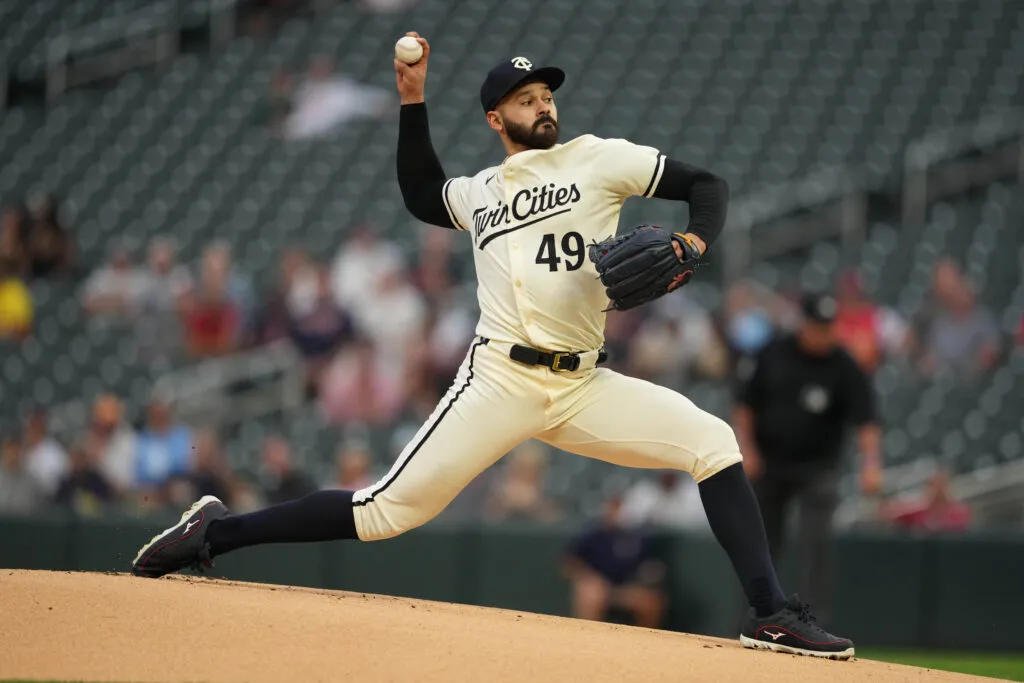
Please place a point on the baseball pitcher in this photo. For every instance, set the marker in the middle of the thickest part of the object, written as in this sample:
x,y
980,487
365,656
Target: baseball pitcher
x,y
542,223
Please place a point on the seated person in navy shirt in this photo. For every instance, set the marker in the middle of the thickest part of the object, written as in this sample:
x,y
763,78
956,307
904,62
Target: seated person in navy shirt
x,y
612,566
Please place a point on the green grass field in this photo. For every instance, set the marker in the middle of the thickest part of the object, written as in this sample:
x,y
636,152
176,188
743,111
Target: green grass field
x,y
1006,666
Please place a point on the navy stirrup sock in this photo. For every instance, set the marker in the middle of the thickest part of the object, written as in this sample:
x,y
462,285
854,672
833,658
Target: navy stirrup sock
x,y
320,516
735,519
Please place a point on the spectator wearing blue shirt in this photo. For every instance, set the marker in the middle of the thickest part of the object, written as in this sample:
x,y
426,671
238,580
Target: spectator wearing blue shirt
x,y
611,566
163,447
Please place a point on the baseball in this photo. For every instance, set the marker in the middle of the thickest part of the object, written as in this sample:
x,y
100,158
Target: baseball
x,y
408,50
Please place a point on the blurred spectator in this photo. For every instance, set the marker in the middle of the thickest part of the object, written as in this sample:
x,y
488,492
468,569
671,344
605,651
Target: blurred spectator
x,y
385,6
19,492
115,289
316,325
259,17
45,458
611,566
436,271
958,334
748,323
519,493
158,328
620,328
217,256
112,441
273,319
13,255
1020,331
210,474
279,103
244,493
676,339
937,509
870,332
211,315
85,490
284,481
354,468
165,281
362,262
326,100
359,386
16,309
671,501
396,321
447,340
163,447
49,248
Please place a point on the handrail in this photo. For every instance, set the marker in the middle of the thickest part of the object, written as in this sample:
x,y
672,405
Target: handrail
x,y
909,480
194,388
945,144
822,186
774,201
143,36
92,35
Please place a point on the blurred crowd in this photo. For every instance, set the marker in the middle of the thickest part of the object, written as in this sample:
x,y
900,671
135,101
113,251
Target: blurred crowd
x,y
381,331
321,101
34,244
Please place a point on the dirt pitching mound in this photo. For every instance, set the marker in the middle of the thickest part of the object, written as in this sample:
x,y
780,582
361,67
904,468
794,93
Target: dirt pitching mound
x,y
114,627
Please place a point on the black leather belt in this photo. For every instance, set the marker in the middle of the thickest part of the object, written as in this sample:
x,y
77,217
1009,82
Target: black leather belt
x,y
557,361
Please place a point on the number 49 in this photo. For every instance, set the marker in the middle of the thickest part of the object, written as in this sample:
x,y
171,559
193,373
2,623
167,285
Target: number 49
x,y
572,247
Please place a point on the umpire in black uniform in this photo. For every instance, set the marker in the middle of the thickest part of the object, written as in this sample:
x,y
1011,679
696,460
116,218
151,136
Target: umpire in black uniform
x,y
792,415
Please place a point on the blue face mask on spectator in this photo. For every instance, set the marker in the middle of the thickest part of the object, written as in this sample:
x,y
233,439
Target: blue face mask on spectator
x,y
750,331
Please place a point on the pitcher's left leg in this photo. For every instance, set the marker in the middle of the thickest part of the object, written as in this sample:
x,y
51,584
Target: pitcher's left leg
x,y
627,421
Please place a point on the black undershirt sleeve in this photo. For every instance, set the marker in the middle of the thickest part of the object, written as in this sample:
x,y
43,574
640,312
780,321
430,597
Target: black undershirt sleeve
x,y
706,193
420,175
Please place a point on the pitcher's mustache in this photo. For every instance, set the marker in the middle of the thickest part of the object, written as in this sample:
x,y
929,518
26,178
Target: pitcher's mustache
x,y
546,119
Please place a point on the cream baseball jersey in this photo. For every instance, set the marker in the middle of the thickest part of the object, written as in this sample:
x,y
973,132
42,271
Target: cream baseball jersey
x,y
531,219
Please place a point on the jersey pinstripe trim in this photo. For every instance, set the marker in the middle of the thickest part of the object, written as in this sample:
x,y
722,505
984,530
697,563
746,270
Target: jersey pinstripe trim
x,y
659,168
382,486
448,205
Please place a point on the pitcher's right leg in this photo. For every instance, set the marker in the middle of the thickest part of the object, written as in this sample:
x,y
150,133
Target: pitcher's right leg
x,y
490,408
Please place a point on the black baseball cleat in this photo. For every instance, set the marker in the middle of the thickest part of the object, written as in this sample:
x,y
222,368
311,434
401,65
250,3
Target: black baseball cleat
x,y
793,629
183,545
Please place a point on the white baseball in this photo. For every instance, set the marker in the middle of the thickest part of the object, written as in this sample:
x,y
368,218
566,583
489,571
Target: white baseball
x,y
408,50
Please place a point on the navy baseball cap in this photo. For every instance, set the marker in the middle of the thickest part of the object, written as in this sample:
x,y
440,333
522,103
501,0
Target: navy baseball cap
x,y
820,308
510,74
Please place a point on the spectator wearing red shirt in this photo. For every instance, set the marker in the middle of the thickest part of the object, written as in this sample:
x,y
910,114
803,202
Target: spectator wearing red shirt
x,y
360,387
937,510
868,331
211,318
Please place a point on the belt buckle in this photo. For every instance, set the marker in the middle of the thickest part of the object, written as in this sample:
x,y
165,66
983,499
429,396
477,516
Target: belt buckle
x,y
556,363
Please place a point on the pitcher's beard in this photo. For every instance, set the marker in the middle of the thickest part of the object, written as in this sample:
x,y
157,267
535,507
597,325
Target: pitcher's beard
x,y
542,135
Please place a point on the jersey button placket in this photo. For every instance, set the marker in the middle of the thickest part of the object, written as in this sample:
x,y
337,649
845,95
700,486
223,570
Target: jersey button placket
x,y
515,259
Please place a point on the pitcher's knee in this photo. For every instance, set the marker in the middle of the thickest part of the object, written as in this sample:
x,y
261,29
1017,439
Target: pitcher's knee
x,y
718,449
380,518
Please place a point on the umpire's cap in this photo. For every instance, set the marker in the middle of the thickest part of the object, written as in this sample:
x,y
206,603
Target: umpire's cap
x,y
509,74
820,308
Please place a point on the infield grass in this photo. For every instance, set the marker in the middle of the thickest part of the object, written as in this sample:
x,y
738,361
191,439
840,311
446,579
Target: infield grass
x,y
1007,666
1000,666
